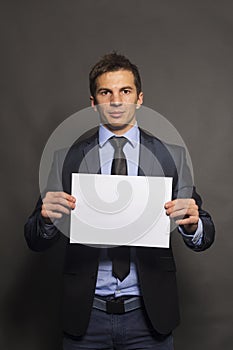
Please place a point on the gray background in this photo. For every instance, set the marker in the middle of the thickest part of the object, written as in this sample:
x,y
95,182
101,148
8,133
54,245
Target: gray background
x,y
185,54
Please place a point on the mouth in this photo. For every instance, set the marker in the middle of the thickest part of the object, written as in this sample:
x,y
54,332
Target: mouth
x,y
116,114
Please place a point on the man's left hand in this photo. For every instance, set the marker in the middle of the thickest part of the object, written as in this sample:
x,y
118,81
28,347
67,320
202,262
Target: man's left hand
x,y
185,212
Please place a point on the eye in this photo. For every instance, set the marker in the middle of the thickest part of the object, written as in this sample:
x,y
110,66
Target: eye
x,y
126,91
104,92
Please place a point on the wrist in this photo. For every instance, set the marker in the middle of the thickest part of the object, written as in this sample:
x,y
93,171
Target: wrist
x,y
46,220
190,229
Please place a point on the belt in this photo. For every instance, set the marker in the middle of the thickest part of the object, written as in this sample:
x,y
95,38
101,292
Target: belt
x,y
117,305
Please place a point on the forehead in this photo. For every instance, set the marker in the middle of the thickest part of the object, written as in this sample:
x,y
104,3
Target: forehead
x,y
115,79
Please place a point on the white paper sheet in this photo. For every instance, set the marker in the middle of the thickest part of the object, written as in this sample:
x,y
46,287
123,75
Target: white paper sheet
x,y
120,210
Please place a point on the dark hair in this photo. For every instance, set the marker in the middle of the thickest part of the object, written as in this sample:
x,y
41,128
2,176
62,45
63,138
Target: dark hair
x,y
110,63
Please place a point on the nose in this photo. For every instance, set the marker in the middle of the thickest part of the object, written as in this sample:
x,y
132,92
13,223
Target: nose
x,y
115,100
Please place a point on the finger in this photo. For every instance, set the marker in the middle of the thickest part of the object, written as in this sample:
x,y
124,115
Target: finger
x,y
186,205
59,200
169,204
63,195
50,214
184,212
56,208
191,220
180,202
66,196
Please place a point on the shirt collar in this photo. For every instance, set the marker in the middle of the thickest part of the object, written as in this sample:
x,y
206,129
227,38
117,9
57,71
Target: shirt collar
x,y
132,135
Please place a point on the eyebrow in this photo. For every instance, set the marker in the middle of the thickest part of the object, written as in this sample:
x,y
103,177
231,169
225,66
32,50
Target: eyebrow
x,y
121,89
127,87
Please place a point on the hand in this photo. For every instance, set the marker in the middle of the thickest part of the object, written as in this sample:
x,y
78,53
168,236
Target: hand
x,y
55,204
185,212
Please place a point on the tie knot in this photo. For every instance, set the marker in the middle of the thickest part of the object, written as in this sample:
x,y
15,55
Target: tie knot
x,y
118,142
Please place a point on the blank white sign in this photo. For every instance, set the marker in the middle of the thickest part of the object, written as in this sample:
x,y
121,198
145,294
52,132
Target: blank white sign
x,y
120,210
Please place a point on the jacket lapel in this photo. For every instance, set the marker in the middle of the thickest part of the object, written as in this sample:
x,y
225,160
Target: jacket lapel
x,y
145,155
151,156
90,156
91,160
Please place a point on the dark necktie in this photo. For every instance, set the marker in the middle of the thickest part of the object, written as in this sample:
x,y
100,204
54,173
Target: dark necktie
x,y
120,256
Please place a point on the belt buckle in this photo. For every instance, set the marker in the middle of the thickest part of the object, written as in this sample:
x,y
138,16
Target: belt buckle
x,y
115,307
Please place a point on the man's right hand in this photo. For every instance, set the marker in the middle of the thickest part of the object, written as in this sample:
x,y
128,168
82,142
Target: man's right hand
x,y
56,204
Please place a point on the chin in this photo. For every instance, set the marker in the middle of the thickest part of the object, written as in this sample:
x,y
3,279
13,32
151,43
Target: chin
x,y
117,127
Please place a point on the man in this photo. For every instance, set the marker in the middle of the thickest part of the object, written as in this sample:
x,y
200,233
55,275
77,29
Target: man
x,y
119,298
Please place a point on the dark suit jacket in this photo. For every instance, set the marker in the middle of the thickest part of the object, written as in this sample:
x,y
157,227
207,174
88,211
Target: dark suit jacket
x,y
156,266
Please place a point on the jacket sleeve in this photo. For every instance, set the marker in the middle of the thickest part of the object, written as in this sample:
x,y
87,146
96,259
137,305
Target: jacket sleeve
x,y
208,226
35,231
183,187
186,189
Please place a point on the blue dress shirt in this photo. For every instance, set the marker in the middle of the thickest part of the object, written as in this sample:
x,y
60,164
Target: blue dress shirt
x,y
106,283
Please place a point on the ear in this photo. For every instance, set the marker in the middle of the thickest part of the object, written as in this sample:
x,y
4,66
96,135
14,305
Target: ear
x,y
93,105
140,100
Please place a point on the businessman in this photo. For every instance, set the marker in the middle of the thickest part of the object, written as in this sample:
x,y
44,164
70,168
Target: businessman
x,y
119,298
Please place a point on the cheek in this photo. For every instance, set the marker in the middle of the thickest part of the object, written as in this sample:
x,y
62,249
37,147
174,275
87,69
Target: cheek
x,y
102,99
131,99
103,110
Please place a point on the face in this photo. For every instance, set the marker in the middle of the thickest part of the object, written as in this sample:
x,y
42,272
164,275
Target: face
x,y
116,100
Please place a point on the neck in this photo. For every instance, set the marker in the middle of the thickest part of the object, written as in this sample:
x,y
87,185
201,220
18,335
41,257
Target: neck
x,y
119,130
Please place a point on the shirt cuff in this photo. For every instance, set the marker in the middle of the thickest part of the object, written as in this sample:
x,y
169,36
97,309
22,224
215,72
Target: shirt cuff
x,y
196,238
48,231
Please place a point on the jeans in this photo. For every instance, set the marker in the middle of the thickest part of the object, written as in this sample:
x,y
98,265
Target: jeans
x,y
129,331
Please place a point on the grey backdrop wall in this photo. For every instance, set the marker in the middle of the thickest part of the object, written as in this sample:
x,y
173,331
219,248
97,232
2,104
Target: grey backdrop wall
x,y
185,54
